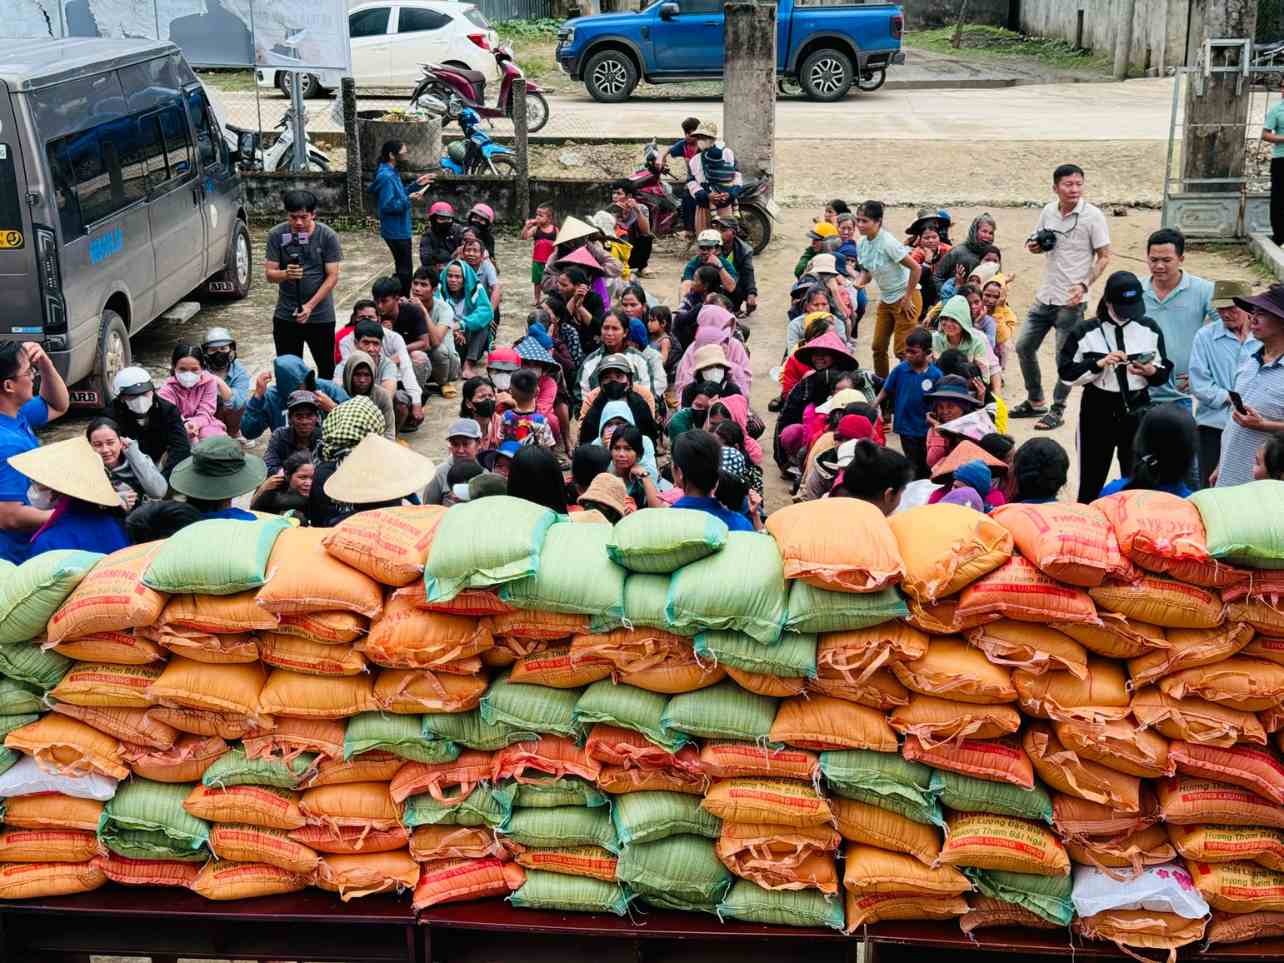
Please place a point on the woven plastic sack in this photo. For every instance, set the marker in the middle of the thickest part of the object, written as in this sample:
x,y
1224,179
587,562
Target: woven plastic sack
x,y
32,592
1077,818
355,875
110,598
1070,543
26,778
1164,533
1244,927
935,721
202,722
644,817
333,628
37,880
411,638
535,708
661,541
987,911
1099,695
107,686
560,791
360,805
310,658
67,747
813,609
1223,844
443,780
53,810
860,822
568,553
226,880
883,779
792,657
1189,649
840,544
1192,801
1032,648
1047,897
679,672
870,870
1116,637
303,577
147,872
485,543
724,711
345,840
146,820
1120,745
188,684
388,544
41,668
862,908
823,722
217,556
413,691
1249,685
563,826
316,697
400,735
631,708
368,767
549,757
217,614
945,548
1257,769
118,648
725,759
47,845
185,761
760,683
752,903
1063,770
953,670
470,730
1000,760
781,857
429,844
486,805
1141,930
740,589
1160,889
781,802
681,872
859,653
1125,854
966,794
575,894
1238,529
1161,601
1017,589
989,841
235,768
460,880
256,844
19,697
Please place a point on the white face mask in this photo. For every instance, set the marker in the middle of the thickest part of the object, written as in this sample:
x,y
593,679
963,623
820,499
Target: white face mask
x,y
139,404
188,379
41,497
716,375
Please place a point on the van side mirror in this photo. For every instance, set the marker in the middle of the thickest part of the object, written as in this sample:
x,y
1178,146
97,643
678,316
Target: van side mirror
x,y
669,10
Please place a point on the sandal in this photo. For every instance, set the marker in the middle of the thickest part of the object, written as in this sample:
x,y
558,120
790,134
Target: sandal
x,y
1027,409
1053,419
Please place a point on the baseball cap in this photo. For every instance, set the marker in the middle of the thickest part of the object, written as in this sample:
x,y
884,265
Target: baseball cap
x,y
1225,292
709,239
464,428
727,220
300,398
1124,295
616,362
822,230
509,448
132,381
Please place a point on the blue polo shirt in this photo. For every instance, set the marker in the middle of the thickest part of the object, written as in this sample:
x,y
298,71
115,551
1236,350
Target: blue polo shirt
x,y
1261,385
17,434
1188,307
1215,360
735,521
906,387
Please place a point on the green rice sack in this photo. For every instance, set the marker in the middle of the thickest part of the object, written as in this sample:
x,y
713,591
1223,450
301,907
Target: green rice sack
x,y
645,597
539,708
562,791
484,543
662,540
722,711
1044,896
644,817
217,556
575,894
1239,530
681,872
486,805
562,827
794,656
398,734
469,730
883,779
30,664
20,697
235,768
575,576
814,609
631,708
970,795
806,907
146,820
30,593
740,589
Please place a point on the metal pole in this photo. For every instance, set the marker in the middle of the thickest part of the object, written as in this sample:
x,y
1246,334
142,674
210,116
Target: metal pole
x,y
520,144
300,161
348,91
1123,40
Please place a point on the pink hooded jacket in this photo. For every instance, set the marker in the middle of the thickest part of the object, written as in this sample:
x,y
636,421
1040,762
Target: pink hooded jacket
x,y
196,404
738,406
716,326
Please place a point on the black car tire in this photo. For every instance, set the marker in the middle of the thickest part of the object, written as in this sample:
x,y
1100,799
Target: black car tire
x,y
610,76
827,75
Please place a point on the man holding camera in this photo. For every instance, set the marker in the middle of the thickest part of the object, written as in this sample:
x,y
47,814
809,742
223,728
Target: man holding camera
x,y
1074,236
303,258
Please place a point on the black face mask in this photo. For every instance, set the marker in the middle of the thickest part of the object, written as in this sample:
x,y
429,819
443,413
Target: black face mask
x,y
218,360
615,390
699,416
485,408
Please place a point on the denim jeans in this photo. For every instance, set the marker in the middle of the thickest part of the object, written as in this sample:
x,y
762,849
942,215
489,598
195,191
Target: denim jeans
x,y
1042,319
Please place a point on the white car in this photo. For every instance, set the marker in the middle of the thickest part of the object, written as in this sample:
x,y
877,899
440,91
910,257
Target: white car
x,y
391,39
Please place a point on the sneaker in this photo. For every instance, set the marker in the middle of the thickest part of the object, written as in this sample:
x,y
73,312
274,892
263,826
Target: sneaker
x,y
1052,420
1027,409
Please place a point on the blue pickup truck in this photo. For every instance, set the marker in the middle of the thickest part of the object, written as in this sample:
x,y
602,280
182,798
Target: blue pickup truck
x,y
824,48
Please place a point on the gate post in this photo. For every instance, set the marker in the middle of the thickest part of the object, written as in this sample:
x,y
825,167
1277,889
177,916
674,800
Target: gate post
x,y
1212,148
749,85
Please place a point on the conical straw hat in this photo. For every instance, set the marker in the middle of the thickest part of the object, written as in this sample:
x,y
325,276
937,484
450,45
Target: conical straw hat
x,y
573,229
70,467
379,470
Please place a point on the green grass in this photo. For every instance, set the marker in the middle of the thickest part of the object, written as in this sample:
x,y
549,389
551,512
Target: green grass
x,y
995,43
533,44
228,79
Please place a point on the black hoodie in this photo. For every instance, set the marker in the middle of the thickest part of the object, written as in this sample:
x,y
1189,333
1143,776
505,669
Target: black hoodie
x,y
160,433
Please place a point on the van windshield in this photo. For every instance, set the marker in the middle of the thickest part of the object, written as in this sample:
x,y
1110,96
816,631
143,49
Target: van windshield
x,y
10,209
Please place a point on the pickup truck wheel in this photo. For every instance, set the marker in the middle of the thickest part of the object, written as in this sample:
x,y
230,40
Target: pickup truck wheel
x,y
827,75
610,76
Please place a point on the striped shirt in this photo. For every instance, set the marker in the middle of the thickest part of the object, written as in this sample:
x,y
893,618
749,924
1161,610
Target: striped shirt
x,y
1261,385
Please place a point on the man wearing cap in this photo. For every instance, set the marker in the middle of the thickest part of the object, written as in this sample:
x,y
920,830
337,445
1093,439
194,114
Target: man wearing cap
x,y
302,431
149,419
1215,358
22,410
1260,386
464,440
740,255
220,357
218,471
709,252
1118,357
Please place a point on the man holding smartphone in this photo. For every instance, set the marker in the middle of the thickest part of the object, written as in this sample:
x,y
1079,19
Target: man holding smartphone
x,y
303,258
1215,358
1260,385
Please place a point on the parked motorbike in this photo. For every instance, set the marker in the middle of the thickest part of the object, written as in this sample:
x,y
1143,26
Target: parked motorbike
x,y
470,87
476,153
278,157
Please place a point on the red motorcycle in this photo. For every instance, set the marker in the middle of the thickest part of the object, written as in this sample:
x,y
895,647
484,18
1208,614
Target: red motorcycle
x,y
470,87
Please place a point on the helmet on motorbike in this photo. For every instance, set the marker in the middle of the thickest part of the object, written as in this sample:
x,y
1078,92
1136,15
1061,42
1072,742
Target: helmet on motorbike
x,y
483,211
457,151
442,208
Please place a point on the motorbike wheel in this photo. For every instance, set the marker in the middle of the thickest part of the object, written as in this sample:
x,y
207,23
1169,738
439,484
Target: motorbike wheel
x,y
872,80
505,166
537,111
755,227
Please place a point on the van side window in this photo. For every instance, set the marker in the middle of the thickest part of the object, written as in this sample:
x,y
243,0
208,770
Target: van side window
x,y
93,179
178,142
64,184
208,139
151,150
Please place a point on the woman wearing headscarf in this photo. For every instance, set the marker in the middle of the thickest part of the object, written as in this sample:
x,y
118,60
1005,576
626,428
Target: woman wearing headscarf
x,y
715,325
615,415
955,331
736,407
341,432
980,238
994,293
358,372
825,468
465,296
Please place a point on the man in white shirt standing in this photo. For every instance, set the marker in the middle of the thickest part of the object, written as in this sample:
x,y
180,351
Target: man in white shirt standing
x,y
1074,235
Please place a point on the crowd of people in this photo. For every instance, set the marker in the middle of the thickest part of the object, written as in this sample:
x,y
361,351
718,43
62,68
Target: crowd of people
x,y
608,401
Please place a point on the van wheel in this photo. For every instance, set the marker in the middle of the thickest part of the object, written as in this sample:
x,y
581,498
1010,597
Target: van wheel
x,y
233,282
610,76
827,75
114,354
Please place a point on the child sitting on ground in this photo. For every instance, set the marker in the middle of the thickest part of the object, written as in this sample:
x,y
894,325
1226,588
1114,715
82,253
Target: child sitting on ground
x,y
522,422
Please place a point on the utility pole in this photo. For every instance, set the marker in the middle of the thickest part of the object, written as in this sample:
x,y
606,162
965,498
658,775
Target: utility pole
x,y
1123,38
1216,118
749,85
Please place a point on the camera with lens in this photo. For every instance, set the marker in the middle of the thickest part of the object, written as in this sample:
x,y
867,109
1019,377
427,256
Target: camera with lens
x,y
1045,239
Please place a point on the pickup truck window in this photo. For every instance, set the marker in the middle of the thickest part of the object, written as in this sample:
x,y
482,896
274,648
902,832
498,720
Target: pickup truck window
x,y
700,6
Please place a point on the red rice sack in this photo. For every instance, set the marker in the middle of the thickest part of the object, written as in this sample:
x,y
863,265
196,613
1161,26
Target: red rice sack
x,y
1259,770
1118,745
723,759
304,577
998,760
817,544
461,880
256,844
388,544
1161,601
1018,590
147,872
1070,543
111,598
1192,801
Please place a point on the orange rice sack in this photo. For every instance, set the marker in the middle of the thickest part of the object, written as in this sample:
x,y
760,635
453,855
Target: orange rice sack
x,y
217,614
107,686
477,603
47,845
871,825
245,844
1263,583
1078,819
1238,887
1192,801
952,669
538,625
1195,720
147,872
943,618
185,761
52,811
311,658
315,697
676,675
862,909
304,577
872,870
1244,684
1100,695
1070,543
815,871
201,722
882,690
232,688
1063,770
367,805
332,628
945,548
1018,590
388,544
773,686
629,650
1124,857
111,598
816,544
442,780
226,880
133,725
1264,647
989,841
68,747
374,766
592,862
823,722
998,760
410,638
290,737
264,806
416,691
1165,534
1227,844
1189,649
1244,927
772,801
343,840
1118,744
936,721
1116,637
1161,601
431,843
365,874
860,653
1265,616
987,911
1141,929
557,668
35,880
548,757
724,759
1259,770
1031,648
117,648
618,780
205,646
461,880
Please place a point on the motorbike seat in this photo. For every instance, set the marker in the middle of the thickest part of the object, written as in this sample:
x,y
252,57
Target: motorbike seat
x,y
474,77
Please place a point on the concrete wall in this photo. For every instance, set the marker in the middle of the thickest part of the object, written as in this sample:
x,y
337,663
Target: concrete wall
x,y
943,13
1158,29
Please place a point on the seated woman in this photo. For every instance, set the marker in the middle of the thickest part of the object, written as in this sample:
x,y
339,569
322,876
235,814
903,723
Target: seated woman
x,y
289,488
698,397
628,449
134,476
1041,467
358,373
617,414
374,473
614,341
195,392
477,401
1162,453
536,477
715,326
67,479
829,360
616,376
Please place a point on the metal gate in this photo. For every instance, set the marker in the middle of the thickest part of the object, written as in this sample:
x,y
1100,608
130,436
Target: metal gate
x,y
1222,207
